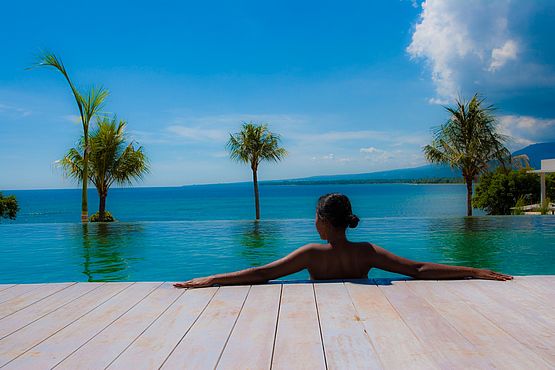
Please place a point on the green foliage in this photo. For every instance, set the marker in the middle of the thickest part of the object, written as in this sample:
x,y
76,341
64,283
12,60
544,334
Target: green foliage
x,y
255,143
89,105
469,140
498,191
550,185
107,217
521,202
8,207
544,207
111,159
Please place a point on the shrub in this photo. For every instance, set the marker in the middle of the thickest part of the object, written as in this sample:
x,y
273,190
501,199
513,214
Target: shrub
x,y
500,190
107,217
8,207
544,207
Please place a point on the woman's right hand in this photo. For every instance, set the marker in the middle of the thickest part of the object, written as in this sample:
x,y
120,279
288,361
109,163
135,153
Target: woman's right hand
x,y
490,275
196,283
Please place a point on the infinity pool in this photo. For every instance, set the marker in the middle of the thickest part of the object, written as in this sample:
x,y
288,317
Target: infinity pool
x,y
179,250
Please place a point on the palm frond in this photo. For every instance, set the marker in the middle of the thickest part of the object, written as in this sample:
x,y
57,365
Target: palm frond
x,y
468,140
255,143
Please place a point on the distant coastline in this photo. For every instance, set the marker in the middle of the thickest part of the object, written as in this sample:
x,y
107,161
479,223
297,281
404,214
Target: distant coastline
x,y
439,180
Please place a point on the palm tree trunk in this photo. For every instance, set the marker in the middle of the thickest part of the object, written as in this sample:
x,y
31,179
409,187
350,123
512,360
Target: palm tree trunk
x,y
256,200
468,196
102,206
84,203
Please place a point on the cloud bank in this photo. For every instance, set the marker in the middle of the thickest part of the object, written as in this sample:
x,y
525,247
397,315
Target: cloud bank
x,y
478,45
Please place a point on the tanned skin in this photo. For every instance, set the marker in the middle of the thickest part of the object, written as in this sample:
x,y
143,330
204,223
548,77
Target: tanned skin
x,y
341,259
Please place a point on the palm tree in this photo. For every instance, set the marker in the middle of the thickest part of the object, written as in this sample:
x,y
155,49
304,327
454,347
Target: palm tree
x,y
468,141
111,160
89,105
253,144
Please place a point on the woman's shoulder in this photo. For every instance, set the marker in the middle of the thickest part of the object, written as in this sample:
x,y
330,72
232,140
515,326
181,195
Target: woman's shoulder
x,y
315,247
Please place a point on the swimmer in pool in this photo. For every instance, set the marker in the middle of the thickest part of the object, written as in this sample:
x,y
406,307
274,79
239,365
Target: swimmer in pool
x,y
340,258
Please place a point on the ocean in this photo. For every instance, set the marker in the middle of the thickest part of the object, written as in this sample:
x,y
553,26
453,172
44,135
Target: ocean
x,y
177,233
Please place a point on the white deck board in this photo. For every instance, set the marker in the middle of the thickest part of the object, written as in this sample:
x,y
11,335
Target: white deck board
x,y
500,348
396,344
359,324
26,338
35,311
17,290
448,347
36,295
100,351
57,347
204,342
159,340
251,343
521,325
298,342
345,342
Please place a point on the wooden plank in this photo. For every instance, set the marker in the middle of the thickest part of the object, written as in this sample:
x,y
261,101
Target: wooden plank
x,y
541,286
395,343
6,286
202,345
100,351
346,344
21,301
519,325
34,312
508,293
24,339
57,347
251,343
448,347
153,346
298,342
17,290
499,347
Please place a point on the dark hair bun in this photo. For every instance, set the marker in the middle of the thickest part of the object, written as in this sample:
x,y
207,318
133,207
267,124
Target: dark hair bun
x,y
336,209
353,221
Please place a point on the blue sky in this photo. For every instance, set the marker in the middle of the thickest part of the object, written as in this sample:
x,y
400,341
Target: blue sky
x,y
351,86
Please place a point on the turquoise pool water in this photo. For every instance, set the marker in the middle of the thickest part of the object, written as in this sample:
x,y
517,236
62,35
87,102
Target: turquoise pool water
x,y
173,251
174,234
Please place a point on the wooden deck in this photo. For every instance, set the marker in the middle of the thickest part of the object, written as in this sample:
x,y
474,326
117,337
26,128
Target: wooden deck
x,y
343,325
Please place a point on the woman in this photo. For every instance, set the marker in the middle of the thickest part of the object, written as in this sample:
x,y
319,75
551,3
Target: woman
x,y
340,258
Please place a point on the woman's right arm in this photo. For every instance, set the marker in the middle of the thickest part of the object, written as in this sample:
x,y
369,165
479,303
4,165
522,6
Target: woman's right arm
x,y
293,262
388,261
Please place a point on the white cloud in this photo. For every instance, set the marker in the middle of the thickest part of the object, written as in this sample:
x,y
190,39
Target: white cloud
x,y
526,130
438,101
371,150
198,133
472,45
500,56
394,137
379,155
14,111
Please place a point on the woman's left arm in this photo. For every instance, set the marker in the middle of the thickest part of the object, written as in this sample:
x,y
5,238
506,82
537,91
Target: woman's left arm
x,y
293,262
388,261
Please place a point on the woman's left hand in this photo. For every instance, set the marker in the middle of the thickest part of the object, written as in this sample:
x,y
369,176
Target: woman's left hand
x,y
196,283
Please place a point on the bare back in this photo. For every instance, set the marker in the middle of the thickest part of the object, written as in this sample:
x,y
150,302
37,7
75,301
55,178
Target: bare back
x,y
348,261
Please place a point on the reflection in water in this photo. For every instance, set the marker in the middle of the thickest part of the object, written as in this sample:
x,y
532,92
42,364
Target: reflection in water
x,y
472,241
259,242
104,251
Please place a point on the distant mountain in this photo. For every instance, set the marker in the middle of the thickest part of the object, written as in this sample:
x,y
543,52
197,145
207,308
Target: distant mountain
x,y
535,152
422,172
